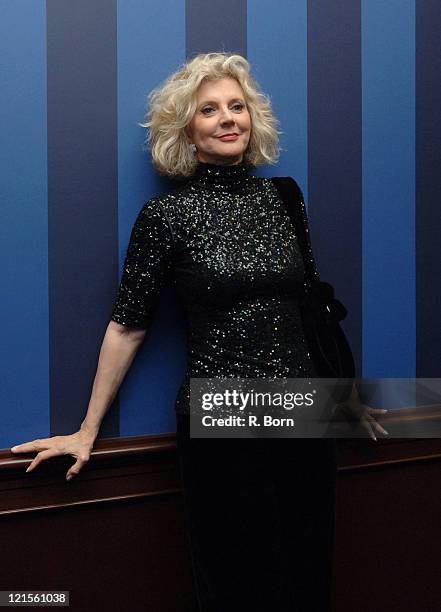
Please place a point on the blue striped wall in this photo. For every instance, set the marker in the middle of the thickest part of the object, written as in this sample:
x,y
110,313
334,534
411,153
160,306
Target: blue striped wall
x,y
24,304
428,186
82,202
151,45
388,91
334,151
357,88
277,51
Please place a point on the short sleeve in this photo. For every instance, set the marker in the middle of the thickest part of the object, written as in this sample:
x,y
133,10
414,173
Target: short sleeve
x,y
147,268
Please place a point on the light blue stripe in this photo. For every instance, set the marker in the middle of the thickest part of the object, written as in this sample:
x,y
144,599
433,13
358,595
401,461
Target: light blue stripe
x,y
151,45
24,382
388,81
277,51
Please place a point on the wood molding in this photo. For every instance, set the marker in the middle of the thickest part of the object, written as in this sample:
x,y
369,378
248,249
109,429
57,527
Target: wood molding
x,y
118,469
145,466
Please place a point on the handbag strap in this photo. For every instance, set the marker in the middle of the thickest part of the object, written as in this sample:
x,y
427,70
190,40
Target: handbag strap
x,y
292,197
294,202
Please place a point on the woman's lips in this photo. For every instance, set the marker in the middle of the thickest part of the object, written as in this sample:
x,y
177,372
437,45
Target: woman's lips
x,y
229,137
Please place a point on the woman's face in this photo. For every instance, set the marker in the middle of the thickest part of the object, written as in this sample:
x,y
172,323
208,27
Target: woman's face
x,y
221,125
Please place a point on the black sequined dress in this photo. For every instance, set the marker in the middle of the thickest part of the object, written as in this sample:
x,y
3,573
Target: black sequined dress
x,y
259,512
226,241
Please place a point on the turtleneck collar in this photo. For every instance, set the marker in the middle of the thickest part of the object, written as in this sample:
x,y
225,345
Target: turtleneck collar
x,y
215,176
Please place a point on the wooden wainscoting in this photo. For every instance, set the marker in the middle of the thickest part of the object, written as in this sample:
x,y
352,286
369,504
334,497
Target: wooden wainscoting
x,y
388,526
115,537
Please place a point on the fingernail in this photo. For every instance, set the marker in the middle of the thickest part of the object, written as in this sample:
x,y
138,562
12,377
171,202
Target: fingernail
x,y
27,469
13,448
386,432
69,477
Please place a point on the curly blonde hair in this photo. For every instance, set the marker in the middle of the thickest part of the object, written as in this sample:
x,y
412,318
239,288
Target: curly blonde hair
x,y
171,107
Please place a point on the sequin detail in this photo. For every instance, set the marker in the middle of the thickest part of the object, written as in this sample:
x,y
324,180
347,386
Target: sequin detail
x,y
225,240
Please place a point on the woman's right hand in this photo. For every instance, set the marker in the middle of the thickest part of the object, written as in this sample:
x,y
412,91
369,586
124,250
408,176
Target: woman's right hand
x,y
78,444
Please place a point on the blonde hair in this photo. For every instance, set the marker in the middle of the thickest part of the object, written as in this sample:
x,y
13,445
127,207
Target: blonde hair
x,y
171,107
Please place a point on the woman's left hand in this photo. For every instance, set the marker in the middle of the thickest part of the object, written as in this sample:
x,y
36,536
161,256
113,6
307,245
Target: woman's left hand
x,y
354,410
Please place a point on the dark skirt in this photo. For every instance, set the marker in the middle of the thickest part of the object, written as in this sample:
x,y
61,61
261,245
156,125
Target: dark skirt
x,y
260,515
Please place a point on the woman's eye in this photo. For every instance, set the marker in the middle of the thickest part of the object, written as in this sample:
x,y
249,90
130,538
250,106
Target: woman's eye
x,y
237,107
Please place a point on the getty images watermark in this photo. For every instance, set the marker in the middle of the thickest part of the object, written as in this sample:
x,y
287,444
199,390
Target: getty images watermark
x,y
312,407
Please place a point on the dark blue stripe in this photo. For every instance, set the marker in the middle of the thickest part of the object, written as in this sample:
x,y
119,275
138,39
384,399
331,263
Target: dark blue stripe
x,y
428,186
217,25
334,147
24,377
388,188
82,195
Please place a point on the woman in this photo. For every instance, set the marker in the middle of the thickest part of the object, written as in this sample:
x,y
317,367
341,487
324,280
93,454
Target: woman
x,y
260,512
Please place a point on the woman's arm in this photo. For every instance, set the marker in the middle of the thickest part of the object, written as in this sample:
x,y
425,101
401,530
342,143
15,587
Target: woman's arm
x,y
147,267
146,270
118,350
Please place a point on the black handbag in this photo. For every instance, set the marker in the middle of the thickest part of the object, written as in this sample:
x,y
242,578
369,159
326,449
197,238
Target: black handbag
x,y
321,311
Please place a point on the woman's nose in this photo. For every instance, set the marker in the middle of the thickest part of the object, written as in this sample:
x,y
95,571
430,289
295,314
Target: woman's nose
x,y
226,115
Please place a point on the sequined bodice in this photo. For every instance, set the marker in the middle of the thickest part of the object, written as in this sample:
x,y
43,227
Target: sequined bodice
x,y
225,240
